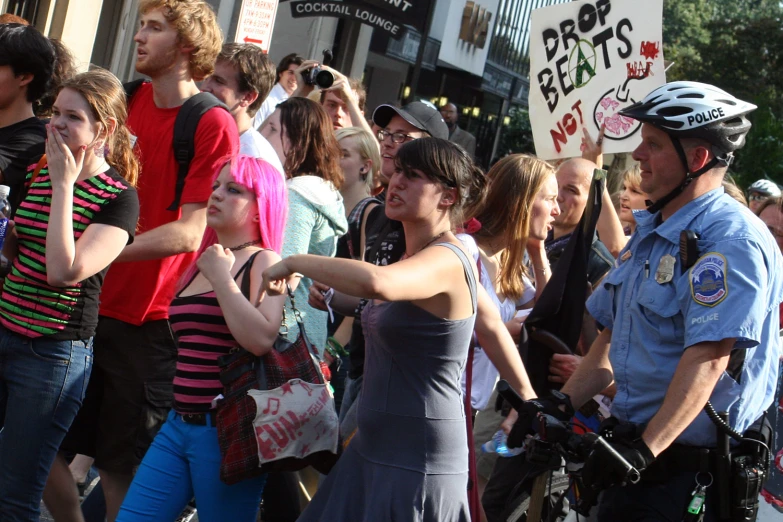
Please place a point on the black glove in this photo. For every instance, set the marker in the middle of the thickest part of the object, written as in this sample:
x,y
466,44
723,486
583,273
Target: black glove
x,y
556,404
601,469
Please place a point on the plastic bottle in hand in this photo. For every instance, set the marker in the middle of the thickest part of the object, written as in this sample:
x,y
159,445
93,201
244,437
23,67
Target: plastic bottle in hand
x,y
498,445
5,210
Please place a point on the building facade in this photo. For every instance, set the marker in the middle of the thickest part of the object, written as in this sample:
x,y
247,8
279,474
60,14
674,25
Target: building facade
x,y
475,51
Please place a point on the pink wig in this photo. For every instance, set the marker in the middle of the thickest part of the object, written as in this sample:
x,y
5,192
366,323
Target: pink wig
x,y
269,187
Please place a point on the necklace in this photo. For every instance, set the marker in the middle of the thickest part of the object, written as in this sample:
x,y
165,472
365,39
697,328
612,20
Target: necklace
x,y
428,243
245,245
95,171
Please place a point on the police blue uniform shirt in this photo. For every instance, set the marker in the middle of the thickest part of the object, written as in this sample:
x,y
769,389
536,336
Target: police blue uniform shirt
x,y
732,291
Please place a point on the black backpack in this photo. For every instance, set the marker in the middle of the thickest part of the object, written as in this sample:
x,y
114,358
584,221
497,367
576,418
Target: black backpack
x,y
185,126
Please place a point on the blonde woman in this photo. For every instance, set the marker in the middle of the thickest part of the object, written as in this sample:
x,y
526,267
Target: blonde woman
x,y
360,161
518,213
631,198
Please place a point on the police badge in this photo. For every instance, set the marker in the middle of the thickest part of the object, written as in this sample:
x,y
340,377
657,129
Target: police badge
x,y
665,271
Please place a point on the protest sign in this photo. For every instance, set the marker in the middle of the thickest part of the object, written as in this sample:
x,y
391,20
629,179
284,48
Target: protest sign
x,y
588,60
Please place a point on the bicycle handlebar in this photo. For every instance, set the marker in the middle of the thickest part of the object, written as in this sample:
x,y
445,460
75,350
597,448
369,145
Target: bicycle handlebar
x,y
557,439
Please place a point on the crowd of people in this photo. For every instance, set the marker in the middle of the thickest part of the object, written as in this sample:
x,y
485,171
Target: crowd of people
x,y
132,273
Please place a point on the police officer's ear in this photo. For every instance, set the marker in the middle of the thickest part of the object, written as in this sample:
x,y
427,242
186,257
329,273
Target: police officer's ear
x,y
699,154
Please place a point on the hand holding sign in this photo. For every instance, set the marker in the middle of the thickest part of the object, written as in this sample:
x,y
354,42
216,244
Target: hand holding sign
x,y
593,149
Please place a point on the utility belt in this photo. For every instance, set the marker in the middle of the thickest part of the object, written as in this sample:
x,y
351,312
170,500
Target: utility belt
x,y
736,476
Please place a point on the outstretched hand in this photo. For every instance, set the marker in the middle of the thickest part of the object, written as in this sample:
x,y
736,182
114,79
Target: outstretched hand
x,y
593,150
276,277
316,298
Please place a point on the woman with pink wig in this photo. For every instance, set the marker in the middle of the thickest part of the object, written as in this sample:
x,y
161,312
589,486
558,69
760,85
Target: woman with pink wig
x,y
210,316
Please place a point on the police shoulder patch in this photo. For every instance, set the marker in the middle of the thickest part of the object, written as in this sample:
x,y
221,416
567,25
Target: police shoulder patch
x,y
708,279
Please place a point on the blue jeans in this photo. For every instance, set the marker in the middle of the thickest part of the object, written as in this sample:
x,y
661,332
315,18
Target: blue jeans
x,y
183,462
42,385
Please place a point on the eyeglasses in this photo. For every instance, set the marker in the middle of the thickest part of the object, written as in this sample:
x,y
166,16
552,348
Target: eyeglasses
x,y
396,137
757,197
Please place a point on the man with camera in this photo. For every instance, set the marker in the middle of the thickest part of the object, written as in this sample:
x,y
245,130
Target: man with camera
x,y
691,315
342,97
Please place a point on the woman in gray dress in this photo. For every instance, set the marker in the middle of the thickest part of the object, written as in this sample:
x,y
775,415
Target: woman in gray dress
x,y
409,458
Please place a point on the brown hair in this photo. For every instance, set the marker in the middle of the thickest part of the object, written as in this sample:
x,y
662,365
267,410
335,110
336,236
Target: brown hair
x,y
769,202
8,18
357,87
64,68
313,148
731,188
105,95
444,162
286,62
514,183
255,70
196,27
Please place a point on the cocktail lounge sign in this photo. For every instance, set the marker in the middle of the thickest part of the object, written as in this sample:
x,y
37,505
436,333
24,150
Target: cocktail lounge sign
x,y
390,16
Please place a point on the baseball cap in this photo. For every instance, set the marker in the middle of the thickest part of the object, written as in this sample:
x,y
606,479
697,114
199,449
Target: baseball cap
x,y
421,114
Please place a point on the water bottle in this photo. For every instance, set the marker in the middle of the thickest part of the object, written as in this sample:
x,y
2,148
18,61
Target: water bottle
x,y
498,445
5,210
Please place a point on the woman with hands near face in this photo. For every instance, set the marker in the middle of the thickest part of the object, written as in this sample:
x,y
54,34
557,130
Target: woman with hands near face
x,y
210,316
78,214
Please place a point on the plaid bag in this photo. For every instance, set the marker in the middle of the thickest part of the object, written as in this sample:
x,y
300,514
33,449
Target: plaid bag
x,y
240,372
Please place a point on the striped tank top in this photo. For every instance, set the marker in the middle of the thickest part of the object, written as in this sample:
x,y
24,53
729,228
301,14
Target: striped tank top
x,y
202,336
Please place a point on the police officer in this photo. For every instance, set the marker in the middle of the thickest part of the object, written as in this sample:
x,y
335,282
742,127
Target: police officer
x,y
760,191
671,330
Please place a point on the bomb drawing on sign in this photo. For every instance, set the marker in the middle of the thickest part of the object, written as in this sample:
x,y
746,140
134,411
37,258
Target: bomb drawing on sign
x,y
606,112
619,127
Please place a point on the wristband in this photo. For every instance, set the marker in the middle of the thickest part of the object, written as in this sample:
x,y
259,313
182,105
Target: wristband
x,y
335,349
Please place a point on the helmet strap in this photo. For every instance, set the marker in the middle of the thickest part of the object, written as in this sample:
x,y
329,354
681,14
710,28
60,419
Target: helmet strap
x,y
725,160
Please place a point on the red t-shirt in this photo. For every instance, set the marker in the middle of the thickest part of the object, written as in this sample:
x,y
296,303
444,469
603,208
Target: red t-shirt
x,y
142,291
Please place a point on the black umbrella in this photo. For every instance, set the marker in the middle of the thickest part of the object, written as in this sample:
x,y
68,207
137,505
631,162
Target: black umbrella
x,y
555,323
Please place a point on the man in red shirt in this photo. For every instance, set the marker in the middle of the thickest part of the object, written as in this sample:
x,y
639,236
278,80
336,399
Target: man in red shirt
x,y
130,391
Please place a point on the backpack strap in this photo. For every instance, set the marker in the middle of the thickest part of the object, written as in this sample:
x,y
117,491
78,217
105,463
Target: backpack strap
x,y
36,172
185,136
26,187
132,87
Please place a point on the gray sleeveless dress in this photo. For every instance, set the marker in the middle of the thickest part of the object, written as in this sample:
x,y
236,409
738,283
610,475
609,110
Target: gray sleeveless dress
x,y
409,458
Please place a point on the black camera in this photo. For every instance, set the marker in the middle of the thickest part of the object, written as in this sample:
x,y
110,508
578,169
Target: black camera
x,y
318,76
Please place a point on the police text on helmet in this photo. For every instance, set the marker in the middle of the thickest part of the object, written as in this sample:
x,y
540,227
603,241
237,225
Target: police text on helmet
x,y
706,116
